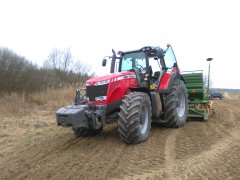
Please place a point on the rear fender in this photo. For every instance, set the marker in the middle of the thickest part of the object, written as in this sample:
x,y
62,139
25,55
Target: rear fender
x,y
168,80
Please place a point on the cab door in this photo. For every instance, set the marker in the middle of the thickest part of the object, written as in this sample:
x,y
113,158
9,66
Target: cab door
x,y
171,70
170,61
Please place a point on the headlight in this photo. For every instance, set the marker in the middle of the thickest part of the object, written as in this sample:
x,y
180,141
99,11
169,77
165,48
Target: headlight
x,y
101,98
102,82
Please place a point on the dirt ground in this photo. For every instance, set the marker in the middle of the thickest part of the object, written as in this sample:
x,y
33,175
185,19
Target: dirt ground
x,y
199,150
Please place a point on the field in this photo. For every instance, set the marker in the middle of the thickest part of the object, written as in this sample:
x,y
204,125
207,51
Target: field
x,y
33,147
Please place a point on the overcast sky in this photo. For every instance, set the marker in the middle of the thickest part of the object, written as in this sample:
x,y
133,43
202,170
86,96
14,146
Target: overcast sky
x,y
195,29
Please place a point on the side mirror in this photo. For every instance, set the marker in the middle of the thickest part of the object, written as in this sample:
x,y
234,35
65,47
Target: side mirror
x,y
104,62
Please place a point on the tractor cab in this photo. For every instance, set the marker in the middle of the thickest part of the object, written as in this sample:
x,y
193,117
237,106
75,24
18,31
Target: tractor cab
x,y
148,63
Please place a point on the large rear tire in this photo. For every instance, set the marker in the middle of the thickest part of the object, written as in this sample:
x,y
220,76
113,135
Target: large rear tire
x,y
134,121
176,106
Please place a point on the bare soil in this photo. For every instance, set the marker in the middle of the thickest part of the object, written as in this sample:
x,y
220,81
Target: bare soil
x,y
199,150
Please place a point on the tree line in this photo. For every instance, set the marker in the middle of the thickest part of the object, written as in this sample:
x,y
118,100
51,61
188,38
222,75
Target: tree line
x,y
17,74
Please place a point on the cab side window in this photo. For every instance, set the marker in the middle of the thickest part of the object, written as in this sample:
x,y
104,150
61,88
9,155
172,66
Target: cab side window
x,y
154,66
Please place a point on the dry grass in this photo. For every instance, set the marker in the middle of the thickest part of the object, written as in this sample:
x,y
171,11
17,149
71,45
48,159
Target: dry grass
x,y
20,114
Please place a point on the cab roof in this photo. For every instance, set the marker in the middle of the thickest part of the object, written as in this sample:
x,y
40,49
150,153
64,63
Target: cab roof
x,y
151,51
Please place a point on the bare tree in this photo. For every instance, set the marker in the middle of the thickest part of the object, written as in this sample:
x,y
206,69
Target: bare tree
x,y
53,59
59,59
66,59
81,68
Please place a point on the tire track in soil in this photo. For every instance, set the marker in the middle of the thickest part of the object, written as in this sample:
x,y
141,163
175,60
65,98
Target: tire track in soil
x,y
142,158
220,160
170,153
170,147
213,164
223,160
93,160
165,167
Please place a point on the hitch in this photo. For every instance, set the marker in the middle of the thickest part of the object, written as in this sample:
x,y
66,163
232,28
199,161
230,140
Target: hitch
x,y
79,98
94,118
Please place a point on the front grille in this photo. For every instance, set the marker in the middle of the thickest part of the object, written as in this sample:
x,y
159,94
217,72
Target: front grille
x,y
96,91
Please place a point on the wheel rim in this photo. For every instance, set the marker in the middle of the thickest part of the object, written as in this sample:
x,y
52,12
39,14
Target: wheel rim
x,y
144,119
181,104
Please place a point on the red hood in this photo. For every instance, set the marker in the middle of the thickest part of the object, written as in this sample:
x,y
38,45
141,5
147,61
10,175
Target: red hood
x,y
93,80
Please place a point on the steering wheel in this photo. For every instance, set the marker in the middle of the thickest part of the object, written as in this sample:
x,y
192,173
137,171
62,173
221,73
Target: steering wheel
x,y
140,67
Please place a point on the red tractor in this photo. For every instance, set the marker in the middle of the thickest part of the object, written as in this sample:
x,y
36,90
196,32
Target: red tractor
x,y
143,86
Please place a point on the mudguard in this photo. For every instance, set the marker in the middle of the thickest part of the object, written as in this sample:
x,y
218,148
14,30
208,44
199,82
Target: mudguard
x,y
167,81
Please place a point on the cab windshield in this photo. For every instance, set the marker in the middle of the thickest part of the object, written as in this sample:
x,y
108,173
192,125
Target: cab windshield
x,y
133,61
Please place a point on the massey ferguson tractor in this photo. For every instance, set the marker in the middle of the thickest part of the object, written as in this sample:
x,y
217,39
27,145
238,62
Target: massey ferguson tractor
x,y
143,86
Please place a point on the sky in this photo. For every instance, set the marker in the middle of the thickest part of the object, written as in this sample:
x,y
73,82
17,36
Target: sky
x,y
196,29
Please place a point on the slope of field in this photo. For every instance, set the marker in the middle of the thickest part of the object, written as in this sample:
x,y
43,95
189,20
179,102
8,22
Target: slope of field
x,y
199,150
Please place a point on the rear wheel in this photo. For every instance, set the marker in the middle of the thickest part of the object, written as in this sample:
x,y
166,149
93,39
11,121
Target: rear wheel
x,y
135,118
176,106
84,132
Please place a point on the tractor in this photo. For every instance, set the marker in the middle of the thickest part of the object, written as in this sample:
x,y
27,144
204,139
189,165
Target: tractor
x,y
144,86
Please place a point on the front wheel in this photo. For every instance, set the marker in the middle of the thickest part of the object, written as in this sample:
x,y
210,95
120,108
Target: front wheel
x,y
176,106
134,122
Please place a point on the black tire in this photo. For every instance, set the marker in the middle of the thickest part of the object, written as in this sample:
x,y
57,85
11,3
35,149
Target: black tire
x,y
134,121
84,132
176,106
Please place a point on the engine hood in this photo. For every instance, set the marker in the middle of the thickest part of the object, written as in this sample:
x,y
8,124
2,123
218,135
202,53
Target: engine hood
x,y
110,77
